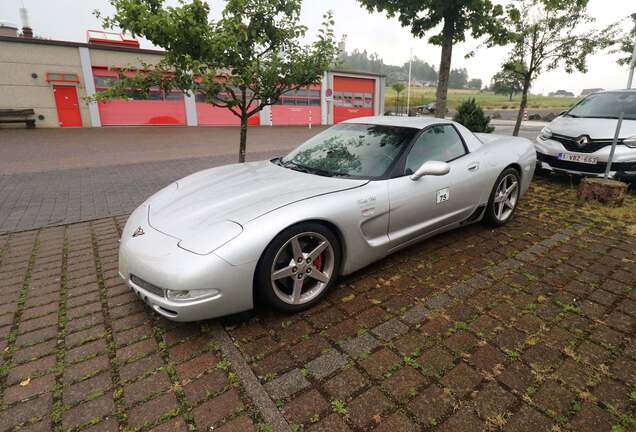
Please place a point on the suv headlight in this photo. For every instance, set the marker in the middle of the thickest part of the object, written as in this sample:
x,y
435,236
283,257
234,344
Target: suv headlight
x,y
630,142
546,133
190,295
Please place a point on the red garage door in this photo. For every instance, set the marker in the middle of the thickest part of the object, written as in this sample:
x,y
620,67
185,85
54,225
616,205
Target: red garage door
x,y
299,107
352,97
157,107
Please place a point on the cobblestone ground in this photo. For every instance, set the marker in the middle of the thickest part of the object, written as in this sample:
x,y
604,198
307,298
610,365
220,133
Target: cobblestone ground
x,y
530,327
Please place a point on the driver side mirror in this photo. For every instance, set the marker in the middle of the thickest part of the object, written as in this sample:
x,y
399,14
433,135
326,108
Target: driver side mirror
x,y
434,168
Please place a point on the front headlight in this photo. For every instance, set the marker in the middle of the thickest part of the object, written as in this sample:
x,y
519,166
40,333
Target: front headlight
x,y
546,133
630,142
190,295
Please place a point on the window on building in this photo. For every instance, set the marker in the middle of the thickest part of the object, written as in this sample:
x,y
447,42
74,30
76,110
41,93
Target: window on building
x,y
104,82
300,97
353,99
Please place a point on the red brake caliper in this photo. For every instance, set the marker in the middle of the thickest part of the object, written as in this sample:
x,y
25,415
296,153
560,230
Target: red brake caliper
x,y
318,262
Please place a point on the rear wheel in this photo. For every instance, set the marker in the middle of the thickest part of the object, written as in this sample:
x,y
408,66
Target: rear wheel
x,y
298,267
503,198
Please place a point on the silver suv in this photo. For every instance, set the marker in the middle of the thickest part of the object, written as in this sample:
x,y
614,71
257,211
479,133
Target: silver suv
x,y
579,141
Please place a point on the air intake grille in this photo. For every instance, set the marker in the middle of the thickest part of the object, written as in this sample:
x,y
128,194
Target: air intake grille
x,y
147,286
570,144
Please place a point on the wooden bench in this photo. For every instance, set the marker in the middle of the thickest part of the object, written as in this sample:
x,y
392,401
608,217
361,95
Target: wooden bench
x,y
18,116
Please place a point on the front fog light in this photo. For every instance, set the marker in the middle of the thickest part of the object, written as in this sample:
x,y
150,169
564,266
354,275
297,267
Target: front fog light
x,y
190,295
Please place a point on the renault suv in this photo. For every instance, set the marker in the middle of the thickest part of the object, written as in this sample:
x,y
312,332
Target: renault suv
x,y
579,141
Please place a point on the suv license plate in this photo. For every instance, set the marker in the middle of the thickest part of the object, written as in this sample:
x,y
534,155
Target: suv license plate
x,y
578,157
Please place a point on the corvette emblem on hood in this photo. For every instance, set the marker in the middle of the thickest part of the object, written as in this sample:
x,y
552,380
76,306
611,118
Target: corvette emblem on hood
x,y
138,232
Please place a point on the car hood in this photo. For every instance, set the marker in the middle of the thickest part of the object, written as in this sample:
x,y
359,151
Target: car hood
x,y
207,200
595,128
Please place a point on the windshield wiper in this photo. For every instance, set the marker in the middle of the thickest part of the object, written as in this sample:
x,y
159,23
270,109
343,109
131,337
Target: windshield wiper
x,y
310,170
294,166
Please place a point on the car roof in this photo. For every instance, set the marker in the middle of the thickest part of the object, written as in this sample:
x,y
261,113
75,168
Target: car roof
x,y
633,90
412,122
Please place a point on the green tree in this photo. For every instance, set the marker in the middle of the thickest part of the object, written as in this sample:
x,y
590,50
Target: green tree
x,y
470,114
626,46
508,81
547,36
458,78
243,61
398,88
457,18
475,84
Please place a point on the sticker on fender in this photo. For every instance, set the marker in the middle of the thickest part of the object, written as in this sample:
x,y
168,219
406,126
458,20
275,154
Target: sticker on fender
x,y
443,195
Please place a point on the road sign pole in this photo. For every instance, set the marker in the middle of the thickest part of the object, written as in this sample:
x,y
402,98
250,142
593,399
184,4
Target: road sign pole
x,y
630,80
408,89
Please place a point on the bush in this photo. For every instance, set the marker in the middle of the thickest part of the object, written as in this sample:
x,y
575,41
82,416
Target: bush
x,y
472,117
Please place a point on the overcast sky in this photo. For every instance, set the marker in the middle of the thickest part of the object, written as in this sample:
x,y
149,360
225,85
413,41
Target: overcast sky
x,y
69,20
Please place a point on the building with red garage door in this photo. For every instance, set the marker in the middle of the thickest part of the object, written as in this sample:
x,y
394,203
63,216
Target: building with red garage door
x,y
57,78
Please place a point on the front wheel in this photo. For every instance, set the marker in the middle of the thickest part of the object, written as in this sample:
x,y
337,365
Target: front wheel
x,y
298,267
503,198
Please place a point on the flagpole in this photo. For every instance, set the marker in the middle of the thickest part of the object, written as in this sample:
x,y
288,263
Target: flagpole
x,y
408,89
619,123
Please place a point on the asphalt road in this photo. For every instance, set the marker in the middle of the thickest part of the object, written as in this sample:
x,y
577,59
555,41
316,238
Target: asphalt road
x,y
54,176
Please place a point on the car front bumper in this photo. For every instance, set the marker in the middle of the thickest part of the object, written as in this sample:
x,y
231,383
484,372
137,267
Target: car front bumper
x,y
152,263
623,165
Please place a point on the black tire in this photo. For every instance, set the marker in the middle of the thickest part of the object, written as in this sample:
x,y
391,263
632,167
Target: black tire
x,y
491,218
264,285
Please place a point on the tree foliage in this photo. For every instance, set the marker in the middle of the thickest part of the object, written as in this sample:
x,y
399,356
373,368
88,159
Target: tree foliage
x,y
455,18
475,84
470,114
626,47
458,78
548,34
244,61
398,87
357,60
508,81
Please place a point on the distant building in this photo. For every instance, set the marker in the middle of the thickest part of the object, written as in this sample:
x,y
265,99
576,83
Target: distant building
x,y
54,78
562,93
589,91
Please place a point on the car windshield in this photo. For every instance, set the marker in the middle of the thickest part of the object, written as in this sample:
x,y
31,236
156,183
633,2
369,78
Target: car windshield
x,y
606,105
351,150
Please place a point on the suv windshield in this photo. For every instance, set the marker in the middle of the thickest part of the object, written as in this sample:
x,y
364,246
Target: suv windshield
x,y
606,105
351,150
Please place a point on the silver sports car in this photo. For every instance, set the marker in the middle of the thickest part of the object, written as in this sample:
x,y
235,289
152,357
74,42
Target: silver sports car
x,y
283,230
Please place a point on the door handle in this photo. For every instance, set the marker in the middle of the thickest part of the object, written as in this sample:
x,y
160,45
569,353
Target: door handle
x,y
473,166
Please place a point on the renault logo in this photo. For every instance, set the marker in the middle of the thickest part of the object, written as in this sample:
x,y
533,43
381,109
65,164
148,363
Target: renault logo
x,y
583,140
138,232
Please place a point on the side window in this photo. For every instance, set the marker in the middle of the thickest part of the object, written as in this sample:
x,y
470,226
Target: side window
x,y
438,143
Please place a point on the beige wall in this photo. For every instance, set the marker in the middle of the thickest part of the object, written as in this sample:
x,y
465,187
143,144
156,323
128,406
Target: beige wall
x,y
19,90
121,59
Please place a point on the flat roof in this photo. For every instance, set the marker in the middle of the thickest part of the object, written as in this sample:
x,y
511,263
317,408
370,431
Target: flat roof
x,y
37,41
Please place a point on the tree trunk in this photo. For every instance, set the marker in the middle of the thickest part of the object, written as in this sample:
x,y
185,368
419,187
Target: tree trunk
x,y
243,142
510,97
444,69
523,105
244,110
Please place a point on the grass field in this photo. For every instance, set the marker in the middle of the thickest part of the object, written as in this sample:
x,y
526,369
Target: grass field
x,y
486,99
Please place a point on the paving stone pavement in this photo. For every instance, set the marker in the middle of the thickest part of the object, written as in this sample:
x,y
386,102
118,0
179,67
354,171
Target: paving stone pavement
x,y
38,199
529,327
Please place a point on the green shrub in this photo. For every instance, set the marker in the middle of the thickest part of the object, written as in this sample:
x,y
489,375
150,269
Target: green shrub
x,y
470,114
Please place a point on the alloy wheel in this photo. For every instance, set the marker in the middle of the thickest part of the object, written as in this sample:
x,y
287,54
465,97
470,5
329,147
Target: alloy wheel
x,y
302,268
506,197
